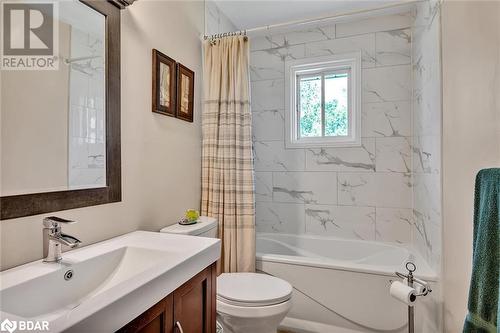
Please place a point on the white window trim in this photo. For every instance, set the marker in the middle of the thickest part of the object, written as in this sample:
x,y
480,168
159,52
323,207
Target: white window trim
x,y
351,61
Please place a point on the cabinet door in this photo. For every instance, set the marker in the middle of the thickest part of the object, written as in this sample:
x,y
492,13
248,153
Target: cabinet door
x,y
194,304
157,319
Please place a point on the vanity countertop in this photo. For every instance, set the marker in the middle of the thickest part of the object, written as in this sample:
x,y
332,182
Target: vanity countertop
x,y
101,287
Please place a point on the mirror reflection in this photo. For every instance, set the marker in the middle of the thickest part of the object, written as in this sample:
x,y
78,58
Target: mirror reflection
x,y
53,121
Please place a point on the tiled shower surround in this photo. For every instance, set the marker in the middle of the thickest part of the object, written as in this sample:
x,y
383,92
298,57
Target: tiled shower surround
x,y
215,20
426,57
389,189
361,192
426,147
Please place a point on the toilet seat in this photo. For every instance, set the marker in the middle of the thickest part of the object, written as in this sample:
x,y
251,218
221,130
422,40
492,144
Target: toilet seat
x,y
252,289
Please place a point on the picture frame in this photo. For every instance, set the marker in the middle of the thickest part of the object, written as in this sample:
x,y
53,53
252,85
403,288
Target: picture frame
x,y
185,93
164,84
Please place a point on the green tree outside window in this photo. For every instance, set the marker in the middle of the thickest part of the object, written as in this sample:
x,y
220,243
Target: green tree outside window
x,y
336,116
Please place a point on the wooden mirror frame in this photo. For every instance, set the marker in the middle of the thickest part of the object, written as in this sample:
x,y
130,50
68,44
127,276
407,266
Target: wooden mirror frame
x,y
38,203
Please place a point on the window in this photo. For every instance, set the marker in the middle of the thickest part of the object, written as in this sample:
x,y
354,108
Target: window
x,y
323,101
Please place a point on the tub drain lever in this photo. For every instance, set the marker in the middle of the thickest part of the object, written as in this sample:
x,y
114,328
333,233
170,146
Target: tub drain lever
x,y
414,288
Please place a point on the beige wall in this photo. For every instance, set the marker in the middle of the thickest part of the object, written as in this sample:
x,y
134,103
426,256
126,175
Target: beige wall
x,y
471,134
161,156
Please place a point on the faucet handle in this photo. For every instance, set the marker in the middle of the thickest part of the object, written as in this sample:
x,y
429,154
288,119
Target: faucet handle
x,y
53,221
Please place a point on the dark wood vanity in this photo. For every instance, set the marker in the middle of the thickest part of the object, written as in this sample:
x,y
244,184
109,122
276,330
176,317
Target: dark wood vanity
x,y
189,309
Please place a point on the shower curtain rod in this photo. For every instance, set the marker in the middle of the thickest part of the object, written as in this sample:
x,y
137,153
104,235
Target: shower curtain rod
x,y
314,20
227,34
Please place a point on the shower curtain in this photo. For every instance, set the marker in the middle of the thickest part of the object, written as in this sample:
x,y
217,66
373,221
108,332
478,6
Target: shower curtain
x,y
227,157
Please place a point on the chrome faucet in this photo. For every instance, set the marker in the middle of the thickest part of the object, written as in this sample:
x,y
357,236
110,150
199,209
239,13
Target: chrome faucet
x,y
53,238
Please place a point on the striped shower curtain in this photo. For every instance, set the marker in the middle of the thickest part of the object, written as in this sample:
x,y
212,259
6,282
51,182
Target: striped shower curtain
x,y
227,158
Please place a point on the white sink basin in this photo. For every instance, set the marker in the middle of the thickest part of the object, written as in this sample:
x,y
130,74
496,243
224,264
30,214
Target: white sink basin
x,y
52,291
94,280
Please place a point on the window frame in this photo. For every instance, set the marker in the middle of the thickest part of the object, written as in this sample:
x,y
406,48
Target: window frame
x,y
340,63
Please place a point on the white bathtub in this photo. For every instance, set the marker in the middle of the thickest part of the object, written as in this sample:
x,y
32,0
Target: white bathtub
x,y
339,285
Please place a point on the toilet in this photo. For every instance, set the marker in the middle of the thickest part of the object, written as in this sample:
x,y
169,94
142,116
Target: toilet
x,y
246,302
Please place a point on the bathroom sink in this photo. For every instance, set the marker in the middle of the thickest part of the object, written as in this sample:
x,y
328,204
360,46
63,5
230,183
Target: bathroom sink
x,y
72,283
93,278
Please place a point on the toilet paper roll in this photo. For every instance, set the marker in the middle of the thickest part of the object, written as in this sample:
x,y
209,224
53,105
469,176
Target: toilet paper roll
x,y
403,293
420,286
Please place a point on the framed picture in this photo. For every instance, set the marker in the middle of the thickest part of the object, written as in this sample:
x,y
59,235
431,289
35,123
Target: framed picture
x,y
185,93
164,84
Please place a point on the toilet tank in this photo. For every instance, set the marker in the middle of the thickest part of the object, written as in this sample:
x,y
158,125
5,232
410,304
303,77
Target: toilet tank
x,y
205,227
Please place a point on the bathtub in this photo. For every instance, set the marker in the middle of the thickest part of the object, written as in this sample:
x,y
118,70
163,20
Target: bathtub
x,y
339,285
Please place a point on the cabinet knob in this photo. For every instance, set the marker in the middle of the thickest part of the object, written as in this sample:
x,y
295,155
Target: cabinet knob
x,y
178,325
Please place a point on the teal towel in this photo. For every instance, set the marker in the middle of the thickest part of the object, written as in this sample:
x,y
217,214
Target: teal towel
x,y
483,316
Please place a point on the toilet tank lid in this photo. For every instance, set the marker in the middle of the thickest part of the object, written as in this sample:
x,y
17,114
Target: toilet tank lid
x,y
204,224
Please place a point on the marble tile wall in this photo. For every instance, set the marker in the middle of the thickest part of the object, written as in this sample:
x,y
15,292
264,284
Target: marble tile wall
x,y
216,21
358,192
389,188
426,149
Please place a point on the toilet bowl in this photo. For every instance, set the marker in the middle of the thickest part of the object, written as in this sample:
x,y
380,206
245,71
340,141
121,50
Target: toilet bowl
x,y
246,302
252,302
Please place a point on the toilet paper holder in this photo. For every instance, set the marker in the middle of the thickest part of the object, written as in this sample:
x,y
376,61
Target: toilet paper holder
x,y
411,280
423,288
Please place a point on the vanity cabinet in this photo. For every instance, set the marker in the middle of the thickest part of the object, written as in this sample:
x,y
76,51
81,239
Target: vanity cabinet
x,y
189,309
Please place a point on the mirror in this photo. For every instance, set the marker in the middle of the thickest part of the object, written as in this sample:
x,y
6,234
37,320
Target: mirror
x,y
60,126
53,121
